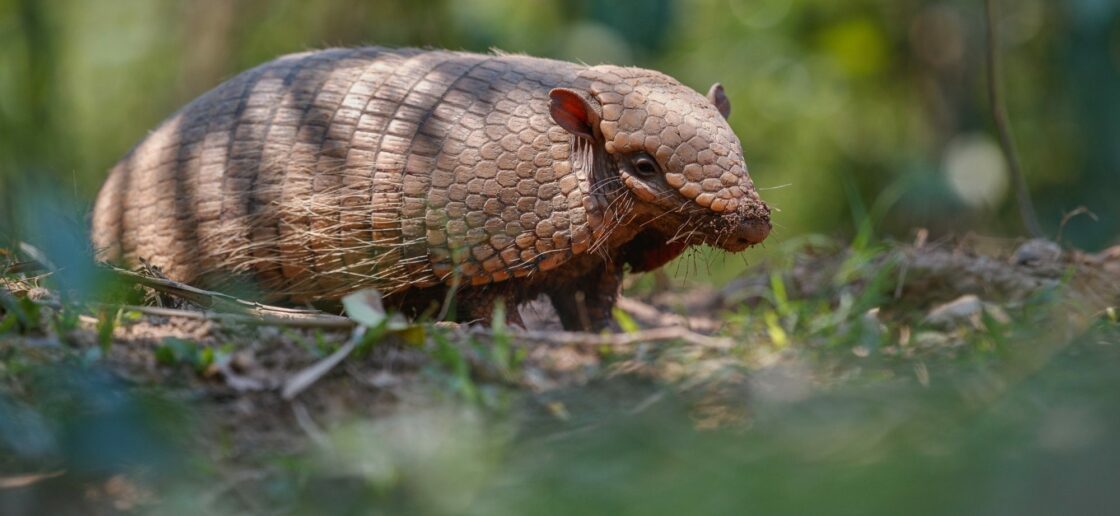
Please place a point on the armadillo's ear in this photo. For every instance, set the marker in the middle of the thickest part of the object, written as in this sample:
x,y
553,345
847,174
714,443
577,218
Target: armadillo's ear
x,y
573,112
719,99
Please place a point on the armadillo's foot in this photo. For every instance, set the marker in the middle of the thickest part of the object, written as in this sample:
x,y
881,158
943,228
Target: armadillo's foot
x,y
588,303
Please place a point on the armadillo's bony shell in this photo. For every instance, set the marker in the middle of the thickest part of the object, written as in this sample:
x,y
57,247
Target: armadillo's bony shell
x,y
320,173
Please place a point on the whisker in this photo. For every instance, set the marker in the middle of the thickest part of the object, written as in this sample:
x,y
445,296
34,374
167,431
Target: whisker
x,y
779,187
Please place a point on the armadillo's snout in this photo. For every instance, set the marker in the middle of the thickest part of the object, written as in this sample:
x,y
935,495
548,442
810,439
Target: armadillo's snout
x,y
746,234
748,227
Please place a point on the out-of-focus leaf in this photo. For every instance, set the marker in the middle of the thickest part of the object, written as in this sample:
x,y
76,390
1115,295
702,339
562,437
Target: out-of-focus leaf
x,y
781,298
774,329
413,335
365,308
627,323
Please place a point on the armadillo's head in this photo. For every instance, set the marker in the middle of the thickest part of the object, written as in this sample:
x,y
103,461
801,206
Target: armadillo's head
x,y
674,152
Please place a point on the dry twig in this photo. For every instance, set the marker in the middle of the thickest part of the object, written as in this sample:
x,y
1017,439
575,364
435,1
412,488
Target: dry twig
x,y
649,314
257,313
300,381
210,299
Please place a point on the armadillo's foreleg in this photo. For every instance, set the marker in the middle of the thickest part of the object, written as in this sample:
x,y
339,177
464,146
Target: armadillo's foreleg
x,y
587,303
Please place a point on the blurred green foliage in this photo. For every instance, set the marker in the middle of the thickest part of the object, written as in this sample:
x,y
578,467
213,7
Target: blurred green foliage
x,y
836,102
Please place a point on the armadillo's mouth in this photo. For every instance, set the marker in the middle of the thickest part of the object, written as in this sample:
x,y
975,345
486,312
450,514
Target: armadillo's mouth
x,y
667,234
651,249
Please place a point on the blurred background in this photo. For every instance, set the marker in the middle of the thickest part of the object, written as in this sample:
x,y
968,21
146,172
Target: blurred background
x,y
844,108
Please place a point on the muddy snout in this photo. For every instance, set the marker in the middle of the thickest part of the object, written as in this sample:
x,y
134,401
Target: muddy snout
x,y
747,233
749,227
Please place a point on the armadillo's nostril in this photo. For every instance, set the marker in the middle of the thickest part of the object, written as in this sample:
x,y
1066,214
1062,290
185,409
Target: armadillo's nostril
x,y
755,231
748,233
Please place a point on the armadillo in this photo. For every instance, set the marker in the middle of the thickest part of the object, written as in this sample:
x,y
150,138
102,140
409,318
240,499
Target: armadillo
x,y
433,176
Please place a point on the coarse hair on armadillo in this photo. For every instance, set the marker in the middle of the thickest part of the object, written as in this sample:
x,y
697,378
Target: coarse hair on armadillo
x,y
321,173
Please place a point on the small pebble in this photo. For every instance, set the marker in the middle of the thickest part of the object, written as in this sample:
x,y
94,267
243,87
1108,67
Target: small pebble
x,y
962,309
1037,252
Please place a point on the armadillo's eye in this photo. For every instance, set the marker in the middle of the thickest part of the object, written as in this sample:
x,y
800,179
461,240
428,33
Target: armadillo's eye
x,y
645,166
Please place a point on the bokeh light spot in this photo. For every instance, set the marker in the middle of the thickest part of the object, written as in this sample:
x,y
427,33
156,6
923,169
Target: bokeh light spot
x,y
976,170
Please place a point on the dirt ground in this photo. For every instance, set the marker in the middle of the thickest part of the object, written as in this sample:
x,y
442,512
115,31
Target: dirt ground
x,y
251,414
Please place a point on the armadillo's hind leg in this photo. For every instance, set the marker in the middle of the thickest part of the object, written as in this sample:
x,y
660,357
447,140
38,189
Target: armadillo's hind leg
x,y
587,303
